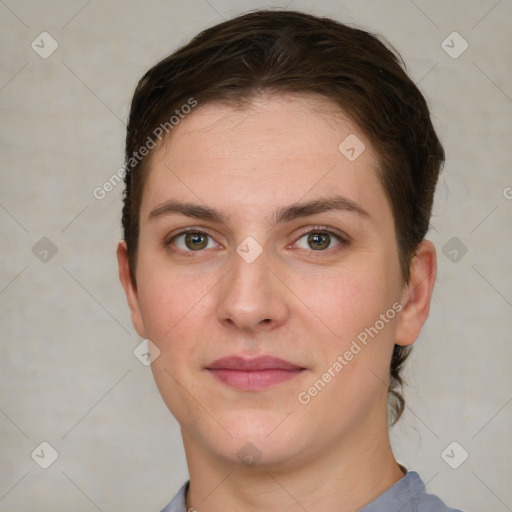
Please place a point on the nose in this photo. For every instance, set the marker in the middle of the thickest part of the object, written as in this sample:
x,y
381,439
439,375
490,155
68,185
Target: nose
x,y
253,297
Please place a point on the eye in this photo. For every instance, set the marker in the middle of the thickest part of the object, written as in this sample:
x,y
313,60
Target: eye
x,y
319,240
192,241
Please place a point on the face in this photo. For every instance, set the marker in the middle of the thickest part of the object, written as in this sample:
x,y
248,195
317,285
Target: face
x,y
261,242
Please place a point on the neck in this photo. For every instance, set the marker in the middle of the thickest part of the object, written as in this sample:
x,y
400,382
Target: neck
x,y
345,478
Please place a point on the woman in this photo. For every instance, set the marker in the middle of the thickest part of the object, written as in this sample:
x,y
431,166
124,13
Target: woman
x,y
280,173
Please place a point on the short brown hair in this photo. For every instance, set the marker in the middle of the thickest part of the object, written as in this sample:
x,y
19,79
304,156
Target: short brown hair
x,y
289,52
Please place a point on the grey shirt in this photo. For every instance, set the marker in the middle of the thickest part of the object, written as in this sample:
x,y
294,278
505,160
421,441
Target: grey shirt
x,y
407,495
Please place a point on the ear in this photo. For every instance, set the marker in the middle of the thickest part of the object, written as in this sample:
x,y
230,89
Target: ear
x,y
416,294
130,289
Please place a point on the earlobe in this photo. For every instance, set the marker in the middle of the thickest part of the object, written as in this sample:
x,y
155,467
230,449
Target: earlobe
x,y
417,294
129,287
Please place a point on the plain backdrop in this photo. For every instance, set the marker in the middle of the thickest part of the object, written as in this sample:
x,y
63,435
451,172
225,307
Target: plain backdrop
x,y
68,372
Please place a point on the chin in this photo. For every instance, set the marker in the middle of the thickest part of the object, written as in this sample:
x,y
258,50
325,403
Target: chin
x,y
258,453
259,438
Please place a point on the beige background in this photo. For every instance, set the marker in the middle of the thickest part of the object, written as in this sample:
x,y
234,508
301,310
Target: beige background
x,y
68,373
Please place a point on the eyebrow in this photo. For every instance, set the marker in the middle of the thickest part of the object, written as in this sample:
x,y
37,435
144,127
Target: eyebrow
x,y
282,214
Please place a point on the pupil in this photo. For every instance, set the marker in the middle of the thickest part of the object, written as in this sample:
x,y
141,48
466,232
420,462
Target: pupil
x,y
320,240
195,241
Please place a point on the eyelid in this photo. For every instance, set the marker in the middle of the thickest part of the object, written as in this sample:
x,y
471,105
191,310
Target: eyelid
x,y
191,229
341,236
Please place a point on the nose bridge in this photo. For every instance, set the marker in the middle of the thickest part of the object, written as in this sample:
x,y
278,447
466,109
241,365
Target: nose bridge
x,y
252,296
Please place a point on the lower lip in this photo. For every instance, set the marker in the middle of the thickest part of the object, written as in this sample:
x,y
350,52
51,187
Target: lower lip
x,y
254,380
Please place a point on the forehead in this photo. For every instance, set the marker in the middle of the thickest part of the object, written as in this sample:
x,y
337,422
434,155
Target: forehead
x,y
293,124
275,150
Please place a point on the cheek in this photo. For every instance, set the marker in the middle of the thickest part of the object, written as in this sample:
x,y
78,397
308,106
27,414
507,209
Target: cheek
x,y
173,314
178,314
354,325
166,302
354,340
348,300
171,296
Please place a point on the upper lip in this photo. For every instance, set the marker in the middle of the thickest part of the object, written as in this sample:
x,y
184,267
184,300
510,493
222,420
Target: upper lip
x,y
252,364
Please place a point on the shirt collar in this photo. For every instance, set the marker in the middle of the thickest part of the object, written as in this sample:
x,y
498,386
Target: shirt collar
x,y
399,497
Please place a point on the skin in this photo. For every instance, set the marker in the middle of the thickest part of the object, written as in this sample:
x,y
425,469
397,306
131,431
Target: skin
x,y
302,304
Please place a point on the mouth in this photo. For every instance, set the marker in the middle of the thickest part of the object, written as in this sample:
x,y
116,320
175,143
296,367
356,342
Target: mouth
x,y
253,374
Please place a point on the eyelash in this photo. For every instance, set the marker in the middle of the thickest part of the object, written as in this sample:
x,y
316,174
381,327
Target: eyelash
x,y
344,241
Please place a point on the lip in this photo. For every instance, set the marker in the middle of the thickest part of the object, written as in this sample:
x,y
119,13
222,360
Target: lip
x,y
253,374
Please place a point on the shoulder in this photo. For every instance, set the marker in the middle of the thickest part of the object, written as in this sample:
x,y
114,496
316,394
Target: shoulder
x,y
423,501
408,495
178,503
